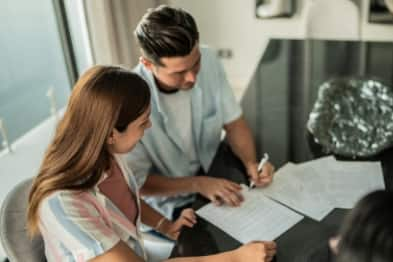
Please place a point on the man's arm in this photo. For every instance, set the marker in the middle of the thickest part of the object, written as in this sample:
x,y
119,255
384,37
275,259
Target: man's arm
x,y
217,190
242,143
158,185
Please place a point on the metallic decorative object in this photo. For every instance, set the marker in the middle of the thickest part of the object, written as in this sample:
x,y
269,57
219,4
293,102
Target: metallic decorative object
x,y
353,117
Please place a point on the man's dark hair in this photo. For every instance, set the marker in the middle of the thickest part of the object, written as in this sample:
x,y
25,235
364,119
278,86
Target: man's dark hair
x,y
166,32
367,233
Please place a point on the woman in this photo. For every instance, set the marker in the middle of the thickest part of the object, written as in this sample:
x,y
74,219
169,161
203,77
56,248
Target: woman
x,y
367,233
85,200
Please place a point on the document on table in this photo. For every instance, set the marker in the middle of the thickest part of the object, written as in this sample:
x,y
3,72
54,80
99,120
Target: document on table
x,y
303,192
258,217
316,187
348,181
312,188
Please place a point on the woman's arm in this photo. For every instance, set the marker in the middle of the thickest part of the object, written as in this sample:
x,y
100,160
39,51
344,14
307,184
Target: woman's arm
x,y
122,253
171,229
119,253
255,251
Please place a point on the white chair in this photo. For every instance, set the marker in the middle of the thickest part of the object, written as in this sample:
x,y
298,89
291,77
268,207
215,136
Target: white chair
x,y
13,233
19,248
157,248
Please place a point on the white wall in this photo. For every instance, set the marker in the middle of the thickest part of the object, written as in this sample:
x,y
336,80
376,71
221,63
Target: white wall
x,y
232,24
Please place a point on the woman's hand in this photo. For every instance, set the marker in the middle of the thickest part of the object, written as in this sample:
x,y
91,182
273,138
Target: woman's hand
x,y
261,251
333,244
172,229
219,190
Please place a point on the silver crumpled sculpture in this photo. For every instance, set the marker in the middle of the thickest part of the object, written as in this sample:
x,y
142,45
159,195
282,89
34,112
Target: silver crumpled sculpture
x,y
353,117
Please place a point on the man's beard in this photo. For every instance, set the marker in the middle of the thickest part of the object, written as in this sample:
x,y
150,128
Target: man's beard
x,y
172,89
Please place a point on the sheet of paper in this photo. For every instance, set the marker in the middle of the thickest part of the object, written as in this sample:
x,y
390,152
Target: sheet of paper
x,y
342,183
348,181
258,218
302,190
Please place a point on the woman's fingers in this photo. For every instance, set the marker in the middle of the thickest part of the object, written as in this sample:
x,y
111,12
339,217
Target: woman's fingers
x,y
189,214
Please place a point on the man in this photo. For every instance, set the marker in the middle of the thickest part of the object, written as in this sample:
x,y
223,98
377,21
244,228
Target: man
x,y
191,103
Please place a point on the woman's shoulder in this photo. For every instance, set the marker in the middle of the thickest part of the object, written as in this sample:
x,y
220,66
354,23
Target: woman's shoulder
x,y
64,201
64,194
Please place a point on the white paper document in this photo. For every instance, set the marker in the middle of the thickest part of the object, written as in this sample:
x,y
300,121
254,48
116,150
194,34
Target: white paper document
x,y
303,191
349,181
316,187
313,188
258,217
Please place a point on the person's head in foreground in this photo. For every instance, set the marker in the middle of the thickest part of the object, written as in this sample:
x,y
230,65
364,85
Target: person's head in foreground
x,y
367,232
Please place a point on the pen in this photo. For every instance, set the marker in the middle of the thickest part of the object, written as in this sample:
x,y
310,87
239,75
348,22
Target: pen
x,y
260,167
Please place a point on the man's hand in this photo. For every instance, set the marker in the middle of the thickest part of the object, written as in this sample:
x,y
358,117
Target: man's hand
x,y
219,190
262,179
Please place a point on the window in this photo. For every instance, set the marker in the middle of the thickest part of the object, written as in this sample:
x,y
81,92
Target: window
x,y
35,56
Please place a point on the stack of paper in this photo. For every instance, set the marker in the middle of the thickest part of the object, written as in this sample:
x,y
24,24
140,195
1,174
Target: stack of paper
x,y
312,188
258,218
316,187
302,191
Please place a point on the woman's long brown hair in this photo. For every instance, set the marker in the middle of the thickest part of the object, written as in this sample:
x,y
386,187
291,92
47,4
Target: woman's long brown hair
x,y
104,98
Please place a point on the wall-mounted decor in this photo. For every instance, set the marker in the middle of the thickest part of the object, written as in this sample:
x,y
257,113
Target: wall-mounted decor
x,y
274,8
381,11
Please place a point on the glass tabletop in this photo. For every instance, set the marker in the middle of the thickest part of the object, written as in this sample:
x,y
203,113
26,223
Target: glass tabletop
x,y
276,105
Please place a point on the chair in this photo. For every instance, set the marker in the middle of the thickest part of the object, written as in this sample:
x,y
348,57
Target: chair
x,y
13,233
18,246
157,248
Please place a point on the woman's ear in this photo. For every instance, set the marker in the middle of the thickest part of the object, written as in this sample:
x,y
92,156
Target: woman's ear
x,y
111,138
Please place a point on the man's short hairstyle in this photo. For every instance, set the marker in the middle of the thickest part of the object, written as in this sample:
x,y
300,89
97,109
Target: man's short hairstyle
x,y
166,32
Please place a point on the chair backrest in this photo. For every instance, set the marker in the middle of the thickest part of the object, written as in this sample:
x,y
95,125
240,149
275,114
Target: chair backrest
x,y
13,233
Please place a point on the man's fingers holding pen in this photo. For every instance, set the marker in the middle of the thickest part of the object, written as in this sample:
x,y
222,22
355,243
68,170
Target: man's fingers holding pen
x,y
265,177
268,170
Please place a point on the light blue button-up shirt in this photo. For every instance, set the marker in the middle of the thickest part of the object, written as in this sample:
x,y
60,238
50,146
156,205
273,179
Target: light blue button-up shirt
x,y
161,152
